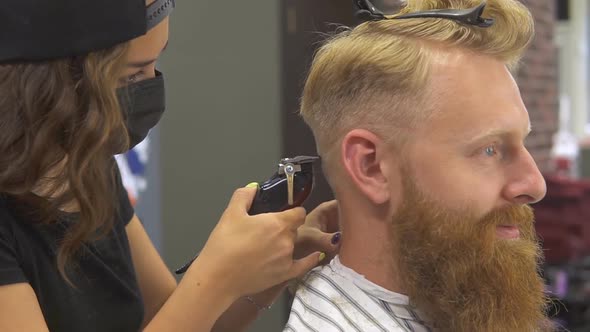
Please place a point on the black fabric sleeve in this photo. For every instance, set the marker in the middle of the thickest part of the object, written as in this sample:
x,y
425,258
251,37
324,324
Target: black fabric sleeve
x,y
125,209
10,270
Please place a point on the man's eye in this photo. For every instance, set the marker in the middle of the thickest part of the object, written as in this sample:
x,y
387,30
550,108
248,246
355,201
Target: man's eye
x,y
491,151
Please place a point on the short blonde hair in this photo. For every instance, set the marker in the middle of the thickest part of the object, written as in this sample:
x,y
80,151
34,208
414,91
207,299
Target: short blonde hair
x,y
376,75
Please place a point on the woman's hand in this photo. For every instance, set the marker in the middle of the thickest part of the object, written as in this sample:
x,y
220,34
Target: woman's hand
x,y
244,255
317,234
251,253
320,232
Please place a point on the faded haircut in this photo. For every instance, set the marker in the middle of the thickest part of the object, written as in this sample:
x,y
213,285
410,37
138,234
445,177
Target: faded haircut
x,y
376,76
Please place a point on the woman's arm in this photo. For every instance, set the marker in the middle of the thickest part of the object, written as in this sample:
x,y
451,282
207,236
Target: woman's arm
x,y
206,287
155,280
157,284
243,255
19,309
198,301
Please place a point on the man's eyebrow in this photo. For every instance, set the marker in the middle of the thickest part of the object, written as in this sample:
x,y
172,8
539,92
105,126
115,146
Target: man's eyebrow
x,y
141,64
501,132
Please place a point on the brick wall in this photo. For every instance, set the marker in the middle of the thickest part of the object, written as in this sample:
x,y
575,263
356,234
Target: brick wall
x,y
538,81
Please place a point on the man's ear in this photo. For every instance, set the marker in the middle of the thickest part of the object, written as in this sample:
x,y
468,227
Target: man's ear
x,y
363,158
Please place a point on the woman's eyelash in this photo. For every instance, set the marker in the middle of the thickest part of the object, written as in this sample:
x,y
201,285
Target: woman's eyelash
x,y
133,78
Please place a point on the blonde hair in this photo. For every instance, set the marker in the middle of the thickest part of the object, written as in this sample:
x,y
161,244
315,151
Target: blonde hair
x,y
376,76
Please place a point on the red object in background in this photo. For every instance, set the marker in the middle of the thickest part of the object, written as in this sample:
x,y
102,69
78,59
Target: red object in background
x,y
563,219
562,164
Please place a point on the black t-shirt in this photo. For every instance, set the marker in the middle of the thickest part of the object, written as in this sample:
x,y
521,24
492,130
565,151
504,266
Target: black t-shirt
x,y
106,296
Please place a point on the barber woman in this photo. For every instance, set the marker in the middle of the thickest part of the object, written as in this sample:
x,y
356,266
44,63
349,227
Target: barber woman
x,y
78,84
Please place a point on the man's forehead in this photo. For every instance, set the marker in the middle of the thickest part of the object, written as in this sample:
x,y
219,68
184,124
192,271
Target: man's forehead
x,y
474,93
453,69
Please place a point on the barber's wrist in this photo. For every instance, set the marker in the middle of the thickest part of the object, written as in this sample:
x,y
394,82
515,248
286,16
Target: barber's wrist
x,y
265,299
220,281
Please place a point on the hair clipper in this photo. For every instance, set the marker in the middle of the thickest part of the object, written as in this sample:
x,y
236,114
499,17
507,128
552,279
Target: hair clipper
x,y
287,188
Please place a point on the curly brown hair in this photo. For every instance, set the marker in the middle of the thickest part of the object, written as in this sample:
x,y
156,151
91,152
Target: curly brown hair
x,y
60,124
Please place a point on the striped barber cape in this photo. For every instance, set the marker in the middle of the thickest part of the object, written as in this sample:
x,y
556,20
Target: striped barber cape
x,y
334,298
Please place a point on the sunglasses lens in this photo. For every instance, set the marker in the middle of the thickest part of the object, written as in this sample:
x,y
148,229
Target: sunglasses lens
x,y
388,7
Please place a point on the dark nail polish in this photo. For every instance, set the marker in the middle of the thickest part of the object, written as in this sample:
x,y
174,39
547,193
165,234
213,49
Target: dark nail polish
x,y
336,238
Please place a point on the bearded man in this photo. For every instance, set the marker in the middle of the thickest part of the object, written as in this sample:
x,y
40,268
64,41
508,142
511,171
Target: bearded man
x,y
421,129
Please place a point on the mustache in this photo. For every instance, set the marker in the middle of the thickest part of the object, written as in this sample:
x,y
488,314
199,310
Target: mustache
x,y
421,207
521,216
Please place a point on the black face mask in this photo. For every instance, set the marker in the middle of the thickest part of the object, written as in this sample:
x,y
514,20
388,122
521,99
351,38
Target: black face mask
x,y
142,104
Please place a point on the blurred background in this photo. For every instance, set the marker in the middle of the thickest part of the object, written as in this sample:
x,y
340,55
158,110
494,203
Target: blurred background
x,y
234,72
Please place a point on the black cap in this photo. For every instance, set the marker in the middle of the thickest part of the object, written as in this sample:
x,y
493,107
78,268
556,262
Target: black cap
x,y
33,30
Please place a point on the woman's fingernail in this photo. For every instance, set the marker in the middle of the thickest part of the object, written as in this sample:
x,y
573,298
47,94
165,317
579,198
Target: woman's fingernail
x,y
336,238
252,185
322,256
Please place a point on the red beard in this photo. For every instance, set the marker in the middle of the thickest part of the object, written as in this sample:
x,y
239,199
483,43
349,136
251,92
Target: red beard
x,y
461,275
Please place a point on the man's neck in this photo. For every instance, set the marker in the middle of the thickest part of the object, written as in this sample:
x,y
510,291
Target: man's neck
x,y
367,249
